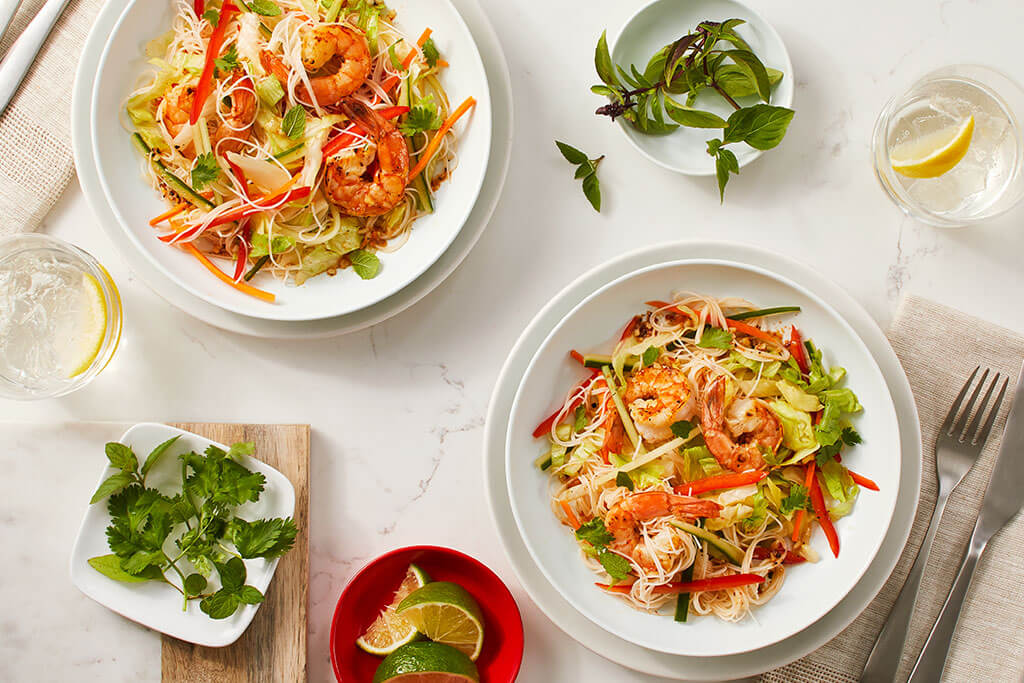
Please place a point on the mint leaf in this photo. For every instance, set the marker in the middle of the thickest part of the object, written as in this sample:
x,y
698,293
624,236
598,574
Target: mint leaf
x,y
651,354
250,596
261,247
623,479
115,483
595,533
715,338
205,171
195,584
682,428
220,605
617,566
294,123
121,457
365,263
232,574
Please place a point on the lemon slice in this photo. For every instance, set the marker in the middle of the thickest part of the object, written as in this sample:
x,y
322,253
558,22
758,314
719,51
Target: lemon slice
x,y
931,155
446,613
89,330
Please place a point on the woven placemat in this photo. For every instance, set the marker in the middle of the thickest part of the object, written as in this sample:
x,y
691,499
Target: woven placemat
x,y
939,348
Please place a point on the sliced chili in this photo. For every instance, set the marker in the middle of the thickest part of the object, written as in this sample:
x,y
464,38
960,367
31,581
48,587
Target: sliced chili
x,y
818,503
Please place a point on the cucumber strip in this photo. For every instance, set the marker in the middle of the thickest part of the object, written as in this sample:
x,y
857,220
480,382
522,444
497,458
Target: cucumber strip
x,y
596,360
424,202
731,552
761,312
285,157
683,601
627,421
174,182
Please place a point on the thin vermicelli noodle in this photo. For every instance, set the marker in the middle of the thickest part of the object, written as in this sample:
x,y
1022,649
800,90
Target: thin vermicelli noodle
x,y
287,170
697,459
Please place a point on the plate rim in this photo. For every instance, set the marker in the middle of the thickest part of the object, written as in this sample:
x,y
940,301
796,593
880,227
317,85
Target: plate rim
x,y
889,407
678,667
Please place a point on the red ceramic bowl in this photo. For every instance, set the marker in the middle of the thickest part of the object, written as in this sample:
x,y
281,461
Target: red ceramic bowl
x,y
375,585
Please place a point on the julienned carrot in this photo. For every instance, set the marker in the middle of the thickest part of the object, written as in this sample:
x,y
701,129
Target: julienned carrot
x,y
435,142
863,481
821,512
576,356
722,481
570,516
799,518
170,213
712,584
751,331
240,286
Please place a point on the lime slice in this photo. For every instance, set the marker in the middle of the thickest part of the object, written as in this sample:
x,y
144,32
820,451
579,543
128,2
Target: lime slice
x,y
89,328
425,662
390,631
931,155
446,613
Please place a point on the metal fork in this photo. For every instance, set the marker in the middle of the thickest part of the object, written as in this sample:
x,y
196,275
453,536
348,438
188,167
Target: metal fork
x,y
957,449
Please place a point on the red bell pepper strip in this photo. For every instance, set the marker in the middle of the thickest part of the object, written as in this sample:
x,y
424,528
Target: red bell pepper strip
x,y
818,503
752,331
799,518
199,6
205,85
863,481
722,481
627,332
712,584
796,349
545,426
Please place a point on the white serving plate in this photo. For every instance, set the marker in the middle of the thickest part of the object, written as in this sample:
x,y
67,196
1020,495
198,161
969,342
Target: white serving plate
x,y
661,22
168,289
133,202
154,604
810,589
628,654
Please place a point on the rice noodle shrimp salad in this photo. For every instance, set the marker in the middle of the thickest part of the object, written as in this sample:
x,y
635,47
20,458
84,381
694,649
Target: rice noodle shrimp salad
x,y
695,461
295,137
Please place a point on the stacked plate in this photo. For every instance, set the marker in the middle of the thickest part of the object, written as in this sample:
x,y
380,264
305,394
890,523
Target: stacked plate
x,y
818,599
108,169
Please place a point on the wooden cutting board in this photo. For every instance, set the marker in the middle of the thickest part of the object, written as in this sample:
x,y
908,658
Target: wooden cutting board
x,y
273,648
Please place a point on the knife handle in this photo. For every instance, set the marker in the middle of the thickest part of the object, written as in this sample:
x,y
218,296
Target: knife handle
x,y
23,52
932,660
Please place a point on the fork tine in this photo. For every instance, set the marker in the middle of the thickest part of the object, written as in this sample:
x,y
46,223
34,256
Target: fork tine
x,y
961,421
982,434
980,412
947,426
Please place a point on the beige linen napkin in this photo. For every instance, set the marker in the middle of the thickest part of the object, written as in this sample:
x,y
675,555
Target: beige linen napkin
x,y
939,347
35,139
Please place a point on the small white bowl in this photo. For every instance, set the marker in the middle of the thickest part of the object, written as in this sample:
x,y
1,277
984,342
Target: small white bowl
x,y
663,21
155,604
134,202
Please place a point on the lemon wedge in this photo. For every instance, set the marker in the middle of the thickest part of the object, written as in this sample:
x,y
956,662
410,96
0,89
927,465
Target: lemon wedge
x,y
84,344
929,156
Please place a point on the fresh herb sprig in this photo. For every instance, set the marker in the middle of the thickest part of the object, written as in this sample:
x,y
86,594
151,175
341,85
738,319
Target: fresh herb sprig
x,y
713,57
586,168
201,520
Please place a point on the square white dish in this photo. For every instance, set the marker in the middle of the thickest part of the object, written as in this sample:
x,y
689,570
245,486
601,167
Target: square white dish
x,y
157,605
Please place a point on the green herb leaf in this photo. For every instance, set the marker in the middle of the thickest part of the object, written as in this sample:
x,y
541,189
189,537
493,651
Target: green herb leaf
x,y
294,123
232,574
594,533
623,479
580,419
651,354
264,7
110,567
761,126
395,61
692,118
212,16
121,457
592,191
603,61
571,154
749,62
155,454
421,118
220,605
113,484
267,538
682,428
261,247
617,566
205,171
715,338
430,52
365,263
737,82
195,584
249,595
796,500
725,163
850,436
227,61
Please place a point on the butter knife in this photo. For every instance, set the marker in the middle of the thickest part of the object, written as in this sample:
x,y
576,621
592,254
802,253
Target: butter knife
x,y
1003,500
23,52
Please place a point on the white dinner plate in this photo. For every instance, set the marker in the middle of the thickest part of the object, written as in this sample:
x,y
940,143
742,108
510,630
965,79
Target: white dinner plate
x,y
156,604
810,589
681,667
497,166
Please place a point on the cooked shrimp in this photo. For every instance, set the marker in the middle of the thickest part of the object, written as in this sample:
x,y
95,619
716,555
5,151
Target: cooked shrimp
x,y
352,182
624,519
322,45
657,396
178,107
237,123
738,436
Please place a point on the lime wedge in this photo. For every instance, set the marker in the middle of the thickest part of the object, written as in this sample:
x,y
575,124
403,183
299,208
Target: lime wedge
x,y
425,662
929,156
88,330
446,613
390,631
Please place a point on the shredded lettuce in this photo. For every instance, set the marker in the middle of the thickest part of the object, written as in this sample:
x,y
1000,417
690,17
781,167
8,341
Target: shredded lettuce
x,y
269,90
702,462
797,432
348,237
837,402
797,397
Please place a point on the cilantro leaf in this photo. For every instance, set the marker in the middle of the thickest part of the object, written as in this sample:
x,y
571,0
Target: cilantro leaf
x,y
826,453
365,263
595,533
220,480
264,7
421,118
715,338
682,428
796,500
850,436
212,16
430,52
617,566
623,479
267,538
205,171
241,448
227,61
294,123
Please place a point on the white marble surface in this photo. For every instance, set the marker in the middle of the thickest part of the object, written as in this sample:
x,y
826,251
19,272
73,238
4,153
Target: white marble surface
x,y
397,410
